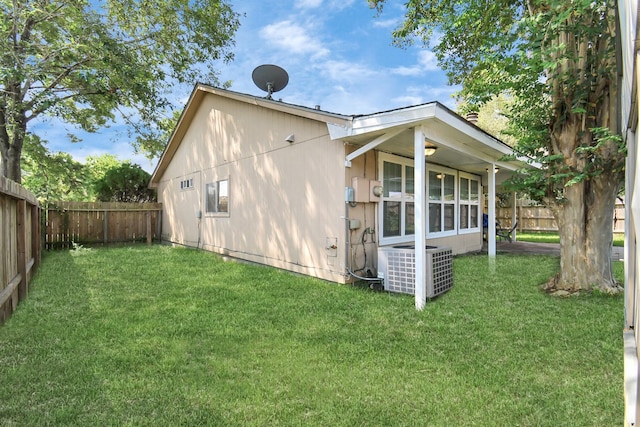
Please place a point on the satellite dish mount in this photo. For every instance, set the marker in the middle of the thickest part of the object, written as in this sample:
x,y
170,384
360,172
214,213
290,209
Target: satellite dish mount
x,y
270,78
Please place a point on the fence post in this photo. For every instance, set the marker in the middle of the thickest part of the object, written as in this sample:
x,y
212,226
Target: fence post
x,y
23,287
149,234
105,232
36,239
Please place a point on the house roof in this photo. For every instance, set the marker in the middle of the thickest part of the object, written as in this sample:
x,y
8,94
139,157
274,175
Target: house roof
x,y
465,145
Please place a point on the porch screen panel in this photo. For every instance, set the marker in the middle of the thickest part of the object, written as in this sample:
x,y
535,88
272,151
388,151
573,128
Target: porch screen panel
x,y
392,183
391,219
474,196
409,206
449,217
435,217
449,199
435,207
474,216
392,195
464,216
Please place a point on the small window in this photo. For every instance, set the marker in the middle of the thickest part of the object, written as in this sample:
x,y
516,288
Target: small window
x,y
217,194
469,213
185,184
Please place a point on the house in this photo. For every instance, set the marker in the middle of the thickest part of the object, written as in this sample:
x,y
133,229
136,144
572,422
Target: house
x,y
320,193
629,93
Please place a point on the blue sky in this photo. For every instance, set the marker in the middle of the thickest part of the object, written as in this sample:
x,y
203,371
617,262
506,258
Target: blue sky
x,y
337,53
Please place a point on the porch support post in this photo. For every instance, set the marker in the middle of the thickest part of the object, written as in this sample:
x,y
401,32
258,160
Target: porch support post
x,y
631,229
514,215
420,218
491,229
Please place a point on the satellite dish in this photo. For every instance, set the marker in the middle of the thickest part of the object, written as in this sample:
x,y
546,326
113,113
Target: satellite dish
x,y
270,78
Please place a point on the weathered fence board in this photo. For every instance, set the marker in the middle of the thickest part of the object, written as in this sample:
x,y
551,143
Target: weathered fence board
x,y
20,245
101,222
538,218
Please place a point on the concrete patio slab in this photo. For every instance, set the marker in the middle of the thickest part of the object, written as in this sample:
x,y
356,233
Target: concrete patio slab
x,y
553,249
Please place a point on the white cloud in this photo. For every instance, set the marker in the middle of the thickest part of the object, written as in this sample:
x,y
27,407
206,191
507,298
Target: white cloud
x,y
407,71
308,4
289,36
332,4
408,100
343,71
386,23
342,4
427,60
426,93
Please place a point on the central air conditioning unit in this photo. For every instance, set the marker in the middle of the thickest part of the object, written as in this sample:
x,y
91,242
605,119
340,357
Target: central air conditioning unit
x,y
397,268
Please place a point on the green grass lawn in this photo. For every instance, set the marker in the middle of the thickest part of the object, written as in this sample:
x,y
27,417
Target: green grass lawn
x,y
542,237
164,337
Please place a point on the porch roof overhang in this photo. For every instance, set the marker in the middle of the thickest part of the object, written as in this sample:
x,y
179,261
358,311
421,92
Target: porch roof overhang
x,y
461,144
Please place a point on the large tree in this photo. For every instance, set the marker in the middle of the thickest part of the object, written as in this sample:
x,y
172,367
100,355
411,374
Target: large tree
x,y
125,183
557,59
58,177
92,62
53,176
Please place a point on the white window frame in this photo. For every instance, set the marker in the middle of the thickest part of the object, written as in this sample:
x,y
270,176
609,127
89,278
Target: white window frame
x,y
403,199
470,202
186,184
447,171
216,184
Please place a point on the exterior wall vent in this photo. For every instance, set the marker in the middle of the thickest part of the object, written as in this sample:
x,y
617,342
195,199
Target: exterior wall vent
x,y
397,265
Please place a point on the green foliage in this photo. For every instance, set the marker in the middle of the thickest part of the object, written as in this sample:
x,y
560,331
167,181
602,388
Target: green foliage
x,y
99,165
90,63
54,176
493,117
556,59
125,183
58,177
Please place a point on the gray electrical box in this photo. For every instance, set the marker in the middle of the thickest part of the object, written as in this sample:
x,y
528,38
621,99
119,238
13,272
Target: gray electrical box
x,y
349,195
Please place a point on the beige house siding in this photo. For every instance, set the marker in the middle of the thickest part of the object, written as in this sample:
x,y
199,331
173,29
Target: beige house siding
x,y
363,167
459,244
285,199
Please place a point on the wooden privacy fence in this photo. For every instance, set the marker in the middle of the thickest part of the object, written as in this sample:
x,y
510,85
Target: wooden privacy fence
x,y
20,245
538,218
101,223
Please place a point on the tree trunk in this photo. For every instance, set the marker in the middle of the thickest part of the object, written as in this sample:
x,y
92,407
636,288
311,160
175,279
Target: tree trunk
x,y
11,165
585,224
11,145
